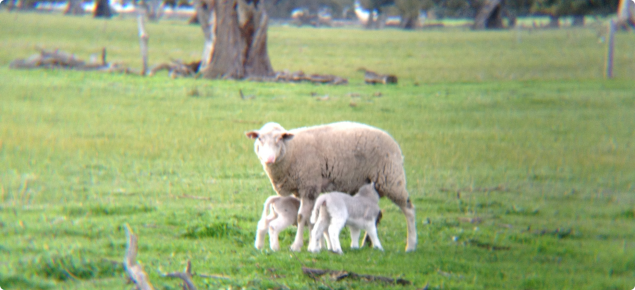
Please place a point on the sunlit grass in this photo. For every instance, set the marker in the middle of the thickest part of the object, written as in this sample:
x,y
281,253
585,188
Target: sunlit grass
x,y
542,162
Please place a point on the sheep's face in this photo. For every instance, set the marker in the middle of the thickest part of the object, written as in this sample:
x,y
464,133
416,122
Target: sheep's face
x,y
270,143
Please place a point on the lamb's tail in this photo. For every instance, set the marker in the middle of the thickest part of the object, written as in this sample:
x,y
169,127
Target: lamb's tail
x,y
267,206
316,208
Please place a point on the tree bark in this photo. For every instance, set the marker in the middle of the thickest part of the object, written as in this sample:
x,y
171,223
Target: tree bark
x,y
74,8
578,20
554,21
238,33
102,9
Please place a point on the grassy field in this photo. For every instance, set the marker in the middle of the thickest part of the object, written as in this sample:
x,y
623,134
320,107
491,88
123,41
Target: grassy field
x,y
519,158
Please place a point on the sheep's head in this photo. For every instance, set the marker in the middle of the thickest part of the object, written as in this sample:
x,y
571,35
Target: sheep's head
x,y
270,144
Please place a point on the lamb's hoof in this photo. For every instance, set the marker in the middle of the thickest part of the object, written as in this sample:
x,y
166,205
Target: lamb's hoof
x,y
337,252
295,248
411,247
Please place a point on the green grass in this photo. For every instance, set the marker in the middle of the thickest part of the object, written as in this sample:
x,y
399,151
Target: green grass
x,y
517,129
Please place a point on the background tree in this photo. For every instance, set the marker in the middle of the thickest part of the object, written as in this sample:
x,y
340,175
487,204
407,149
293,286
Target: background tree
x,y
74,7
576,8
237,30
102,9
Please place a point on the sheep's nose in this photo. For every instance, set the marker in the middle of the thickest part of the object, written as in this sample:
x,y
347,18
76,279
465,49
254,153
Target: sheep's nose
x,y
270,159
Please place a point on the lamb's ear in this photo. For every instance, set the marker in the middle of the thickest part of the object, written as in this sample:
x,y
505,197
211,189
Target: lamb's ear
x,y
286,136
252,134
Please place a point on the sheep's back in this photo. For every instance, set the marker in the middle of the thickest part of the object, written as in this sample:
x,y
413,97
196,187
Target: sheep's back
x,y
348,154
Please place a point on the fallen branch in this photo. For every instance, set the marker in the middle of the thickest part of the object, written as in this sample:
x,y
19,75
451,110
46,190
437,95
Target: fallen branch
x,y
339,275
300,76
186,276
135,271
212,276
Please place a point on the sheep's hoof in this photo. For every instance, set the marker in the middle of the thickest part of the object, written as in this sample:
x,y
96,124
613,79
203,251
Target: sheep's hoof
x,y
296,248
410,248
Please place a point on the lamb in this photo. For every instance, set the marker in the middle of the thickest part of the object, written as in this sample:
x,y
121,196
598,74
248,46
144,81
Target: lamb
x,y
283,213
334,210
340,157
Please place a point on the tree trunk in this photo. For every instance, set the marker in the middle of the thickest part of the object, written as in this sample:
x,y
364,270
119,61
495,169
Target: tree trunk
x,y
154,9
578,20
238,32
102,9
626,14
74,7
410,21
554,21
489,15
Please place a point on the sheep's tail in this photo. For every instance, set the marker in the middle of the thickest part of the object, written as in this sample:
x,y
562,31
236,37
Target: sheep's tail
x,y
316,208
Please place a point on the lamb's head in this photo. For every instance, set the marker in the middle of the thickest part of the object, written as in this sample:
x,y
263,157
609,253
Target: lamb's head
x,y
270,145
368,191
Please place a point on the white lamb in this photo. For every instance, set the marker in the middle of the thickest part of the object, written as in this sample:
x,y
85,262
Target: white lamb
x,y
335,210
283,213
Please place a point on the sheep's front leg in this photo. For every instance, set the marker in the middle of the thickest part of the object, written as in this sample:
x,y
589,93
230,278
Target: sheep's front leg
x,y
304,214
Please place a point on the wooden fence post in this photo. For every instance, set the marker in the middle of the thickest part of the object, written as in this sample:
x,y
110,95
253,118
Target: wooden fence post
x,y
611,49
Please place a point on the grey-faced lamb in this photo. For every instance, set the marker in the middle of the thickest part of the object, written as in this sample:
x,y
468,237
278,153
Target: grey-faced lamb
x,y
334,210
283,213
335,157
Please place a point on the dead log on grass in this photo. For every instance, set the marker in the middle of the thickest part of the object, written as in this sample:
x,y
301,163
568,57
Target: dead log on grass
x,y
58,59
339,275
371,77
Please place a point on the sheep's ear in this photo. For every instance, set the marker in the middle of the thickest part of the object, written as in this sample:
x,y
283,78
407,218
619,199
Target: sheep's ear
x,y
252,134
286,136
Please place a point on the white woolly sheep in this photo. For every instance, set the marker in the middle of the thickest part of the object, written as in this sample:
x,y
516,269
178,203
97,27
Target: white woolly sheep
x,y
283,212
335,157
335,210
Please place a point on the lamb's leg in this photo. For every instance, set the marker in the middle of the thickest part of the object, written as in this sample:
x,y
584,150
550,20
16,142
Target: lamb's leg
x,y
371,230
275,227
263,227
327,240
336,226
354,237
304,214
315,239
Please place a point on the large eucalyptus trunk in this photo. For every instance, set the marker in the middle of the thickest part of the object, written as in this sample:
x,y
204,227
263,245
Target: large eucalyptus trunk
x,y
235,39
102,9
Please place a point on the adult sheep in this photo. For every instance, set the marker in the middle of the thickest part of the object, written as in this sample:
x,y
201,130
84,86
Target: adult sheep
x,y
335,157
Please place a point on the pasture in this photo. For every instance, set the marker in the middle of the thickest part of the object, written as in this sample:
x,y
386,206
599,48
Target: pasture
x,y
519,157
